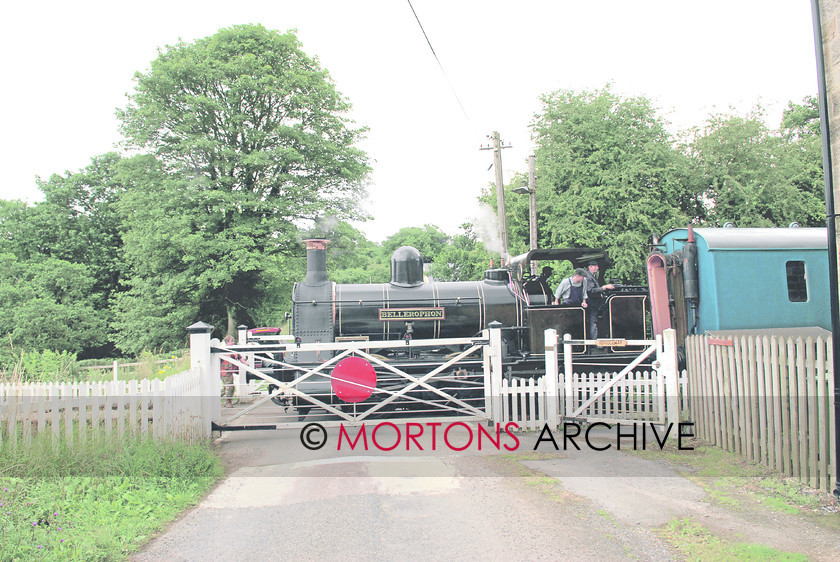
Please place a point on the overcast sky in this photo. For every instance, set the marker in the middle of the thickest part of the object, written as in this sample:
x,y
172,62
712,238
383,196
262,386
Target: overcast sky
x,y
68,65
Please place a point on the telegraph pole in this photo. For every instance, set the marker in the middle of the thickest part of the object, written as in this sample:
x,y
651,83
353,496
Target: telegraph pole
x,y
500,192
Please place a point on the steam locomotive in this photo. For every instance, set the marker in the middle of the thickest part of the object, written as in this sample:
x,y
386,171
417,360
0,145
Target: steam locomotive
x,y
410,308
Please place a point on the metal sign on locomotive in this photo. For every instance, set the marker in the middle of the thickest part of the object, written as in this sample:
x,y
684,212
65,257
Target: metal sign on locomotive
x,y
409,308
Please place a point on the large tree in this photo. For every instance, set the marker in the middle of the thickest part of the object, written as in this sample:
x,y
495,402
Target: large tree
x,y
755,176
63,261
801,157
253,139
608,175
48,303
78,221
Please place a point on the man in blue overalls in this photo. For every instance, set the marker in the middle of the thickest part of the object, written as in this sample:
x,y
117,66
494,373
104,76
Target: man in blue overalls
x,y
572,290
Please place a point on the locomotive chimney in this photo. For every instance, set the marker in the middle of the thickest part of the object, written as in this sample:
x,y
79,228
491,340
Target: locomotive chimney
x,y
316,261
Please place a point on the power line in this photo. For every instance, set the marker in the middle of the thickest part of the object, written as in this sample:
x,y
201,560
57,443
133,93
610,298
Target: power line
x,y
451,87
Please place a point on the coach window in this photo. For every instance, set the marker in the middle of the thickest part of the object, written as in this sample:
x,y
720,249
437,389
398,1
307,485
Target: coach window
x,y
797,283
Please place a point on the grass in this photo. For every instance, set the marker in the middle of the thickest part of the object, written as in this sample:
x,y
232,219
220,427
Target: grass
x,y
147,365
693,542
96,501
733,481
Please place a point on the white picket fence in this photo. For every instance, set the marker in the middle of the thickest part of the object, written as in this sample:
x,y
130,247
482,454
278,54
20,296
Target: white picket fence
x,y
185,405
170,408
525,402
639,397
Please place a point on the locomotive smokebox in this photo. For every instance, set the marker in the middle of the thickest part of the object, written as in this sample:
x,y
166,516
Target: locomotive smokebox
x,y
316,261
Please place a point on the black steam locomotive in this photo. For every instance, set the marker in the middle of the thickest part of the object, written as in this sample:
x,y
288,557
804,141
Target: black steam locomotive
x,y
410,308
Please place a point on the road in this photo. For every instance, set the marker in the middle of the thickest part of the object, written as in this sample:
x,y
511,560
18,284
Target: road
x,y
283,501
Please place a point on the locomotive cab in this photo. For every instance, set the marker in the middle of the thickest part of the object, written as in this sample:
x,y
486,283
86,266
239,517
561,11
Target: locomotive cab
x,y
621,315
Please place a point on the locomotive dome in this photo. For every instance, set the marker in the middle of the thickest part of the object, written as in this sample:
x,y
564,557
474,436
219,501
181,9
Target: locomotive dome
x,y
406,267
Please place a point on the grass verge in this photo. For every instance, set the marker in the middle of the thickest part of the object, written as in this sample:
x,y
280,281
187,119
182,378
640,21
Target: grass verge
x,y
96,501
693,542
734,481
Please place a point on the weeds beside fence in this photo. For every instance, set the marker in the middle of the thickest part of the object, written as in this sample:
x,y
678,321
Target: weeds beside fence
x,y
97,500
147,366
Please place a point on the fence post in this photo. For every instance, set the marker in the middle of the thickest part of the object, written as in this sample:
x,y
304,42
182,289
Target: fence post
x,y
568,374
495,362
667,357
242,339
115,370
200,358
488,392
552,386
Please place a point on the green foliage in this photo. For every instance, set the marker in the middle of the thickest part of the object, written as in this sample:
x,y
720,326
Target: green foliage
x,y
49,303
95,501
800,161
78,222
429,241
250,136
463,259
42,366
62,261
607,176
754,176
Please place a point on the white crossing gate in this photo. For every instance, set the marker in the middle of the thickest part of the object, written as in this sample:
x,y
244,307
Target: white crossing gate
x,y
645,390
350,383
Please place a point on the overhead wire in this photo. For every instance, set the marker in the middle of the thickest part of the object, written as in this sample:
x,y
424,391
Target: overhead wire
x,y
448,81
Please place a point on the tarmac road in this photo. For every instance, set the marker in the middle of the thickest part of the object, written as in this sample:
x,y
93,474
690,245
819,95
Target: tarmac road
x,y
283,501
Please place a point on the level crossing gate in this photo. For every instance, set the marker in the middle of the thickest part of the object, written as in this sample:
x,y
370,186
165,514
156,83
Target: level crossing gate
x,y
468,385
648,389
353,382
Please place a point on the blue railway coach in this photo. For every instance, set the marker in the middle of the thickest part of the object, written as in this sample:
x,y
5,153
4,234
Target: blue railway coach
x,y
707,279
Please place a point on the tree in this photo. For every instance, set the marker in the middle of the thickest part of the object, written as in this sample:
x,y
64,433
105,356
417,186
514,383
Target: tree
x,y
608,176
463,259
78,222
801,158
428,239
252,139
49,305
755,176
69,243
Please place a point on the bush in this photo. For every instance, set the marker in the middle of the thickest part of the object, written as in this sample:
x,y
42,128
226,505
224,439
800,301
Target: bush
x,y
44,366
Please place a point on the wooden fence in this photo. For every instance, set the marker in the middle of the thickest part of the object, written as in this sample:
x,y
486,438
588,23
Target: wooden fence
x,y
163,409
525,402
637,398
769,399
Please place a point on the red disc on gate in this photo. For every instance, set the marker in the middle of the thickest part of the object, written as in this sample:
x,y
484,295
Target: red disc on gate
x,y
353,379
